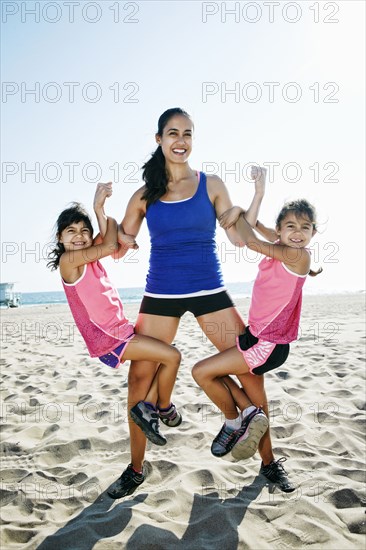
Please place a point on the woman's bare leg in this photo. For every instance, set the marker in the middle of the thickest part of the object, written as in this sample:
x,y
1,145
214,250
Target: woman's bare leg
x,y
141,375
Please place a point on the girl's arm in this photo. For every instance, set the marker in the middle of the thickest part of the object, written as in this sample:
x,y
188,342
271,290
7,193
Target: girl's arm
x,y
103,191
231,216
126,242
266,232
130,225
72,260
258,174
296,259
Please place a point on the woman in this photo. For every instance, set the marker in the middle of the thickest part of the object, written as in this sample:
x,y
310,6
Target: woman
x,y
181,207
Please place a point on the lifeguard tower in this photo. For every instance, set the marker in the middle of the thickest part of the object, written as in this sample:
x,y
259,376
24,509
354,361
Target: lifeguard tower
x,y
8,297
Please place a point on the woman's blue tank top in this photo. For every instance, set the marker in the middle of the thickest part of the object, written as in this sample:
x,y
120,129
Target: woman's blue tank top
x,y
183,257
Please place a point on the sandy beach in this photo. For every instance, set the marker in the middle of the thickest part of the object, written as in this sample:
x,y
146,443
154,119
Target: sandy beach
x,y
65,441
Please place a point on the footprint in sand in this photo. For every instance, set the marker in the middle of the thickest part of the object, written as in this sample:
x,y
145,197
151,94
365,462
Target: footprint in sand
x,y
11,396
18,536
33,402
72,384
346,498
32,389
51,430
84,398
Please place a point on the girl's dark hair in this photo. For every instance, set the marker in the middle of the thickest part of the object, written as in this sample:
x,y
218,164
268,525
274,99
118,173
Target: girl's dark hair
x,y
154,172
301,208
74,214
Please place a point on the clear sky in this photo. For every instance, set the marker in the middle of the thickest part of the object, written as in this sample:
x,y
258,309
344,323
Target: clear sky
x,y
279,83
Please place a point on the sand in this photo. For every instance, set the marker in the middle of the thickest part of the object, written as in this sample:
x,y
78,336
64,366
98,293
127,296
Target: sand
x,y
65,441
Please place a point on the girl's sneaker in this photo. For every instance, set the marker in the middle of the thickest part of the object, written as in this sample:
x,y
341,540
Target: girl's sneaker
x,y
146,417
170,416
253,427
227,438
224,441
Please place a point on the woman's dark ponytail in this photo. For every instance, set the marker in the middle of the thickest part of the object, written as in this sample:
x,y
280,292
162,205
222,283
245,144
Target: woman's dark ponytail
x,y
154,171
155,177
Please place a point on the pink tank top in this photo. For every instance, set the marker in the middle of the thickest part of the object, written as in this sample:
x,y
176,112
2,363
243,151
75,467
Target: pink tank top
x,y
275,309
97,310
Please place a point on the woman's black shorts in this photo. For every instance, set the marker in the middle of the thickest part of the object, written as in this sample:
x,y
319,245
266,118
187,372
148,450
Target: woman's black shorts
x,y
176,307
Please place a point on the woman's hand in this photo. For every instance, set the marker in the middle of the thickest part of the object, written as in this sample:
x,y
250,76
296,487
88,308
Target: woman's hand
x,y
230,217
103,191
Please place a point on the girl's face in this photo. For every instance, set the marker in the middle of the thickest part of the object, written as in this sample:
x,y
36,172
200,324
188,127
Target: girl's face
x,y
76,236
296,231
176,141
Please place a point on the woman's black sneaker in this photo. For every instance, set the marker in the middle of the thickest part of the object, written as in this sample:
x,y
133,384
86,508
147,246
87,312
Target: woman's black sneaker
x,y
127,483
276,474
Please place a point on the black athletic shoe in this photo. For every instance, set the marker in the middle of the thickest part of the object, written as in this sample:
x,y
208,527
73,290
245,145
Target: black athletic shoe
x,y
127,483
276,474
224,441
170,417
227,437
147,418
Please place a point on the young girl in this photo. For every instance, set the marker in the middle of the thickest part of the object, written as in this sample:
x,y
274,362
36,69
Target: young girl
x,y
98,313
274,318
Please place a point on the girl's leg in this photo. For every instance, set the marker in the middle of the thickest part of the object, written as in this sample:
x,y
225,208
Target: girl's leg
x,y
238,394
141,375
149,349
222,327
153,395
254,389
209,374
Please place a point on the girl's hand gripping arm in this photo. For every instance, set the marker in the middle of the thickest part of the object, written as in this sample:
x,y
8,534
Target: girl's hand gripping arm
x,y
296,259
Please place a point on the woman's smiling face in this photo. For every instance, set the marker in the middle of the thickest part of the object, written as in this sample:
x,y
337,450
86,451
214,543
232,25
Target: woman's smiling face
x,y
176,140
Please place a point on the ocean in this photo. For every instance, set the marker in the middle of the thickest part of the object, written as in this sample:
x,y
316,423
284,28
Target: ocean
x,y
128,295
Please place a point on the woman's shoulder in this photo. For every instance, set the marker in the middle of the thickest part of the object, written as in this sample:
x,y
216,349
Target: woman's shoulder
x,y
138,194
212,179
215,186
137,200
